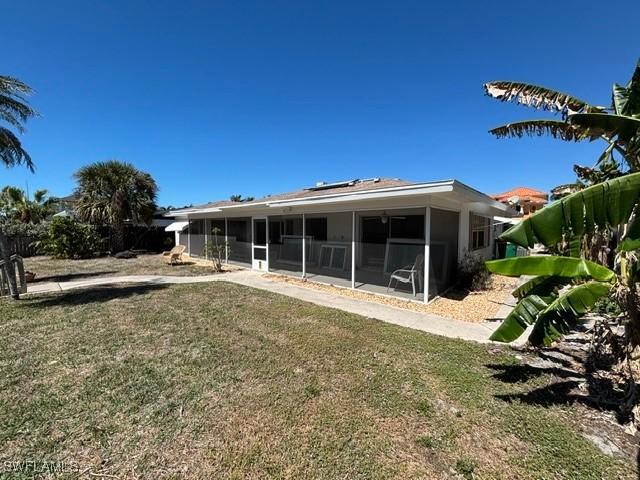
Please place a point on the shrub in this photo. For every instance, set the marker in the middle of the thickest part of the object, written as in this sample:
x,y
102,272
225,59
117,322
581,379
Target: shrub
x,y
216,249
472,272
68,238
607,305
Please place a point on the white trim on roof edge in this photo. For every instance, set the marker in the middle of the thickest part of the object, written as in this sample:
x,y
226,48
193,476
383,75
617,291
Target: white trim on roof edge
x,y
373,193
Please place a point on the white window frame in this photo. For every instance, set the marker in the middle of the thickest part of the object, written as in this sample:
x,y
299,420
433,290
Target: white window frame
x,y
479,224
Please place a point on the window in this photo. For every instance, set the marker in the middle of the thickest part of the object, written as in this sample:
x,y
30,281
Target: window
x,y
480,232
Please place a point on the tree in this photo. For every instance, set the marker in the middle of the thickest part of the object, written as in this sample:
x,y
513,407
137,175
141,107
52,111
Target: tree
x,y
593,235
238,198
14,112
616,125
17,206
114,193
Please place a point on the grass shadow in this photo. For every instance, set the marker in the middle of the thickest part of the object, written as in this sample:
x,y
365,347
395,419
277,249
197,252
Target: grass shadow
x,y
97,294
574,387
67,277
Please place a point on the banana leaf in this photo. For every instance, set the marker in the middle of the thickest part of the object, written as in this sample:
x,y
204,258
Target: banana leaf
x,y
548,265
626,100
537,97
542,286
525,313
564,312
631,240
605,124
606,204
536,128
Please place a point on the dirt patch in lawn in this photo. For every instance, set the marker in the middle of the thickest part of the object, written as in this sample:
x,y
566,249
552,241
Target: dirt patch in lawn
x,y
472,307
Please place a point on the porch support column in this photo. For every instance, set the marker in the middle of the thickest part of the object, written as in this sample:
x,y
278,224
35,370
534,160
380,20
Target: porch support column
x,y
427,253
189,236
206,239
226,240
304,246
266,223
353,250
463,233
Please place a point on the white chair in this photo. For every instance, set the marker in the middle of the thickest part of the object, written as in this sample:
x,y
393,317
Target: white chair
x,y
409,274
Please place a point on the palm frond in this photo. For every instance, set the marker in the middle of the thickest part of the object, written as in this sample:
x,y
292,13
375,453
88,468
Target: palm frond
x,y
536,128
538,97
12,86
11,151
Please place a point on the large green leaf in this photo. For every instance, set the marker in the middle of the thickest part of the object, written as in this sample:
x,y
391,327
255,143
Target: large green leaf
x,y
538,97
626,100
607,204
596,124
543,285
631,240
525,313
568,267
535,128
563,313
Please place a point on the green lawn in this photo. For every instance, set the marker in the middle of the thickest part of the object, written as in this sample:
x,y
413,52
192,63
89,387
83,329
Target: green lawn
x,y
49,269
222,381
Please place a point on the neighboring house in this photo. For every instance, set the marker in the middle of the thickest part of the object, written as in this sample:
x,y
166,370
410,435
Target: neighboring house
x,y
524,199
65,206
562,191
354,234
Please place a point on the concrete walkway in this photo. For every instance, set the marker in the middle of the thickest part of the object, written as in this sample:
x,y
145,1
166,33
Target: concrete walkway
x,y
478,332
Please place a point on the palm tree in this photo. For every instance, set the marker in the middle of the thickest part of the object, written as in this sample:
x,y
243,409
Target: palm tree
x,y
14,111
238,198
617,125
114,193
18,206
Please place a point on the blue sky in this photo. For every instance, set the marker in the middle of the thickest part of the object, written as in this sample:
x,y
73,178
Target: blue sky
x,y
216,98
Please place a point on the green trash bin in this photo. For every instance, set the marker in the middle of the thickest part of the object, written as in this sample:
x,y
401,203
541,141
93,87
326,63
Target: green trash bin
x,y
511,250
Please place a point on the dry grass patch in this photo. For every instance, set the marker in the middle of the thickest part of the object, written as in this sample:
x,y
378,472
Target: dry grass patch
x,y
49,269
223,381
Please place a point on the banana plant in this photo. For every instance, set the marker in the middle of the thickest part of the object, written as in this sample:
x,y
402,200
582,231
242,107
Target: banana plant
x,y
617,125
563,288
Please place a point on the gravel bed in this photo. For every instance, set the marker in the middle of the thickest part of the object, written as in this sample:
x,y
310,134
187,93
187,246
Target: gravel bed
x,y
472,307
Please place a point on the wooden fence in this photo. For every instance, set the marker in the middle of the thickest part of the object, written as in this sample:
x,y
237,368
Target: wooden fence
x,y
22,245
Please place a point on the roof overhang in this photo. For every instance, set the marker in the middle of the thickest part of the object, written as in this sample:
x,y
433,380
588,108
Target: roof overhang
x,y
176,227
414,194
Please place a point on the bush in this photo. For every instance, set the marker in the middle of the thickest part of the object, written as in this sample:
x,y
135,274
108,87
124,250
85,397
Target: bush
x,y
68,238
607,305
472,272
216,250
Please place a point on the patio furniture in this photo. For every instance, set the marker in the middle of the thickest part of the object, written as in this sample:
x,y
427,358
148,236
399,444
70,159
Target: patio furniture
x,y
174,256
409,274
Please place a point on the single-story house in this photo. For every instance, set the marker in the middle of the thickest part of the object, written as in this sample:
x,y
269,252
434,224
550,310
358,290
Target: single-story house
x,y
379,235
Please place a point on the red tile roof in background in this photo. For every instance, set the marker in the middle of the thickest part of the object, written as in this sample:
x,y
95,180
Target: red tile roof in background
x,y
524,194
